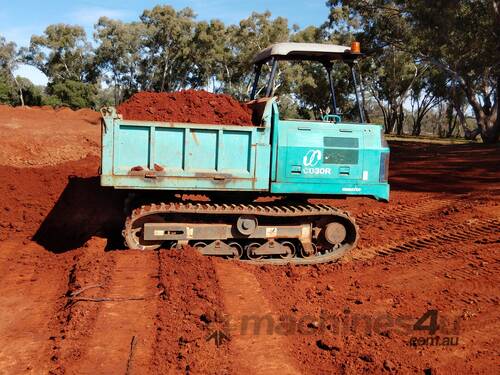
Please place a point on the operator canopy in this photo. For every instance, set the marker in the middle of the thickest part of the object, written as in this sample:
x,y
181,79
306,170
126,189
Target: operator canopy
x,y
307,51
323,53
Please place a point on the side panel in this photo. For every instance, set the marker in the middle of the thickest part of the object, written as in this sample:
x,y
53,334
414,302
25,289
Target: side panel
x,y
169,148
236,152
325,158
131,148
320,153
175,156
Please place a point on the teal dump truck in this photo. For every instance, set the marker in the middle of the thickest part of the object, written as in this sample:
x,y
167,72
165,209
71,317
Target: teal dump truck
x,y
234,166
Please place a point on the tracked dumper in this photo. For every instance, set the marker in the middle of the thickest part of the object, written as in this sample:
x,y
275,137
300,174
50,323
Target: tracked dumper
x,y
235,165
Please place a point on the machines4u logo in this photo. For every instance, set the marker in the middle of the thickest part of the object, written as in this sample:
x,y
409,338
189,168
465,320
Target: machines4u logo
x,y
311,160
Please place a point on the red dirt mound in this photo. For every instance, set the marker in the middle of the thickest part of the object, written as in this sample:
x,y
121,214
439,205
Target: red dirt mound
x,y
186,106
42,136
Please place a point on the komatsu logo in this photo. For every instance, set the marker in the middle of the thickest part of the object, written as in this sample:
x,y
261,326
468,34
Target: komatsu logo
x,y
311,160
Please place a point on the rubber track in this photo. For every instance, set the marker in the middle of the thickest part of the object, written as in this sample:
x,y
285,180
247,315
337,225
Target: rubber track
x,y
270,210
457,233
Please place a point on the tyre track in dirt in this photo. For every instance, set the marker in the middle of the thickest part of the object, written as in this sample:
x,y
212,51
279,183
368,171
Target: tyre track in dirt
x,y
467,284
415,213
189,311
127,317
406,213
466,231
29,295
73,324
260,353
406,285
381,227
467,266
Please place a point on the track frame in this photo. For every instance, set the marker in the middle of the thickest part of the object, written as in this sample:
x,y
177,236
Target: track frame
x,y
285,233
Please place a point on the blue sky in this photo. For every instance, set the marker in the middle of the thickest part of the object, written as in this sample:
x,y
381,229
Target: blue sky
x,y
21,19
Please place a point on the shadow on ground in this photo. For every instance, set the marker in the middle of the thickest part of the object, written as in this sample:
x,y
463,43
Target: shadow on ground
x,y
84,209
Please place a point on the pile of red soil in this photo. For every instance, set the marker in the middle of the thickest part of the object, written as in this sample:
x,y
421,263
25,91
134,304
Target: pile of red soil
x,y
190,106
42,136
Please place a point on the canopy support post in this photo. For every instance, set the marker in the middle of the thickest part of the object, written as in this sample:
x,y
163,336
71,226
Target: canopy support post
x,y
258,68
270,84
328,65
358,102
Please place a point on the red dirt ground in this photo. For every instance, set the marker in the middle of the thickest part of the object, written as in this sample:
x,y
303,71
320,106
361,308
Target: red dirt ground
x,y
435,246
191,106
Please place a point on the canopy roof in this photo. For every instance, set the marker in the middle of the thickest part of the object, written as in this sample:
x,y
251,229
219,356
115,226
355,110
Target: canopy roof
x,y
305,51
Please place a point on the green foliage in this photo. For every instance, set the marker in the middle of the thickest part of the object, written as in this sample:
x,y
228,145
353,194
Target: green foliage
x,y
168,50
105,97
66,57
458,38
461,38
32,95
309,80
8,63
7,56
6,92
73,94
246,39
211,54
52,101
62,52
118,55
10,92
167,46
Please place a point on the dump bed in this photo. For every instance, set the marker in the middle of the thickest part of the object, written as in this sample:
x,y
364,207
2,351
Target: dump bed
x,y
186,156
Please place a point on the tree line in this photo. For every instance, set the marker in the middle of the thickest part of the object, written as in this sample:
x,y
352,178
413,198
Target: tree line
x,y
430,66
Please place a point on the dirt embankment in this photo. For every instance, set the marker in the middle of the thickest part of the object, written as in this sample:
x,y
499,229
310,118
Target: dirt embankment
x,y
73,301
40,136
191,106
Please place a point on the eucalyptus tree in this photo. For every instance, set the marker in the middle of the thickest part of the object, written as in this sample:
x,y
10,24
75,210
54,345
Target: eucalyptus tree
x,y
462,39
389,73
166,63
308,80
458,37
118,55
61,53
211,55
246,39
9,85
426,93
66,57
